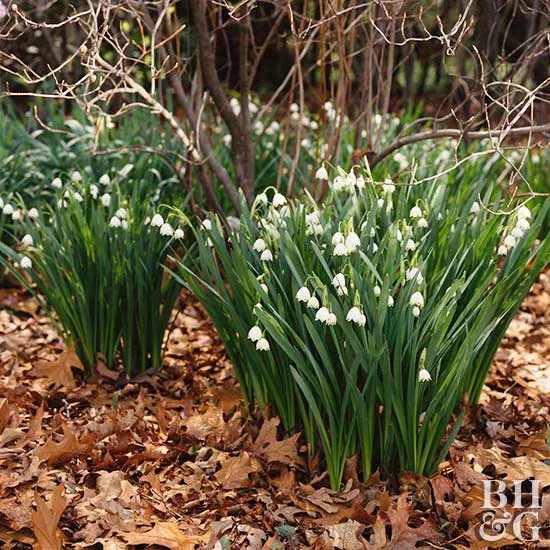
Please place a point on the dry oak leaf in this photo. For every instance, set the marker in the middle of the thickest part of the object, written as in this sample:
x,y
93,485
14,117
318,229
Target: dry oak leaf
x,y
235,471
59,371
67,448
46,518
348,535
167,534
269,448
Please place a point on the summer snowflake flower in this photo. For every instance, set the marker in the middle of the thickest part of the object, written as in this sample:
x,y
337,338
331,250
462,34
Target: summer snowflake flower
x,y
321,173
313,303
105,199
388,186
340,250
380,203
157,221
398,235
76,176
502,250
94,190
26,262
105,179
206,224
475,208
77,197
353,242
424,376
266,256
166,230
377,291
510,241
57,183
414,272
410,245
322,314
262,345
417,299
331,320
415,212
524,213
121,213
259,245
262,198
16,215
360,182
423,223
517,232
115,222
278,200
303,294
338,238
390,301
356,316
7,209
33,214
27,240
124,224
264,287
178,233
416,311
523,224
255,333
339,283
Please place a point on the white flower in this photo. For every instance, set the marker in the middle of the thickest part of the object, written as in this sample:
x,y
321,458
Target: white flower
x,y
121,213
266,256
338,238
255,333
25,262
524,213
313,303
331,320
57,183
115,222
416,311
259,245
374,248
339,282
322,314
410,245
206,224
33,214
390,301
178,233
355,315
360,183
380,203
147,221
157,221
105,199
1,202
303,294
75,176
77,197
262,345
338,184
417,299
510,241
278,200
353,242
475,208
105,179
398,235
16,215
340,250
262,198
502,250
166,230
423,223
27,240
523,224
388,186
264,287
321,173
424,376
517,232
377,291
94,190
7,209
414,272
124,224
415,212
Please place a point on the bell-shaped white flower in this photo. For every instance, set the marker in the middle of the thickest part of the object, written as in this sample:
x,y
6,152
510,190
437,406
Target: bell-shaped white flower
x,y
262,345
377,291
502,250
355,315
7,209
166,230
422,223
27,240
16,215
178,233
303,294
388,186
266,256
115,221
338,238
331,320
353,242
76,176
77,196
121,213
517,232
278,200
105,200
524,213
105,179
510,241
523,224
255,333
322,314
206,224
424,375
340,250
475,208
262,198
410,245
391,301
259,245
25,262
264,287
417,299
33,214
380,203
94,190
57,183
313,303
415,212
360,182
416,311
321,173
157,221
414,272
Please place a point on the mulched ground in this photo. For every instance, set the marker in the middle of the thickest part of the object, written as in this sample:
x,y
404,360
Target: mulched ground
x,y
172,460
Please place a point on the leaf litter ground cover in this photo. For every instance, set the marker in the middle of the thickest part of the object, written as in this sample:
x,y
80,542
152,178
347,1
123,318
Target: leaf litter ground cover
x,y
171,460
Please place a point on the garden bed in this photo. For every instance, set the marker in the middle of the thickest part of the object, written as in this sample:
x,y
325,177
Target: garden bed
x,y
172,460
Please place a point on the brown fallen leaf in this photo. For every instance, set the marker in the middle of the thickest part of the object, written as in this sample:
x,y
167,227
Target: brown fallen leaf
x,y
4,414
59,371
46,518
63,451
167,534
235,471
269,448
